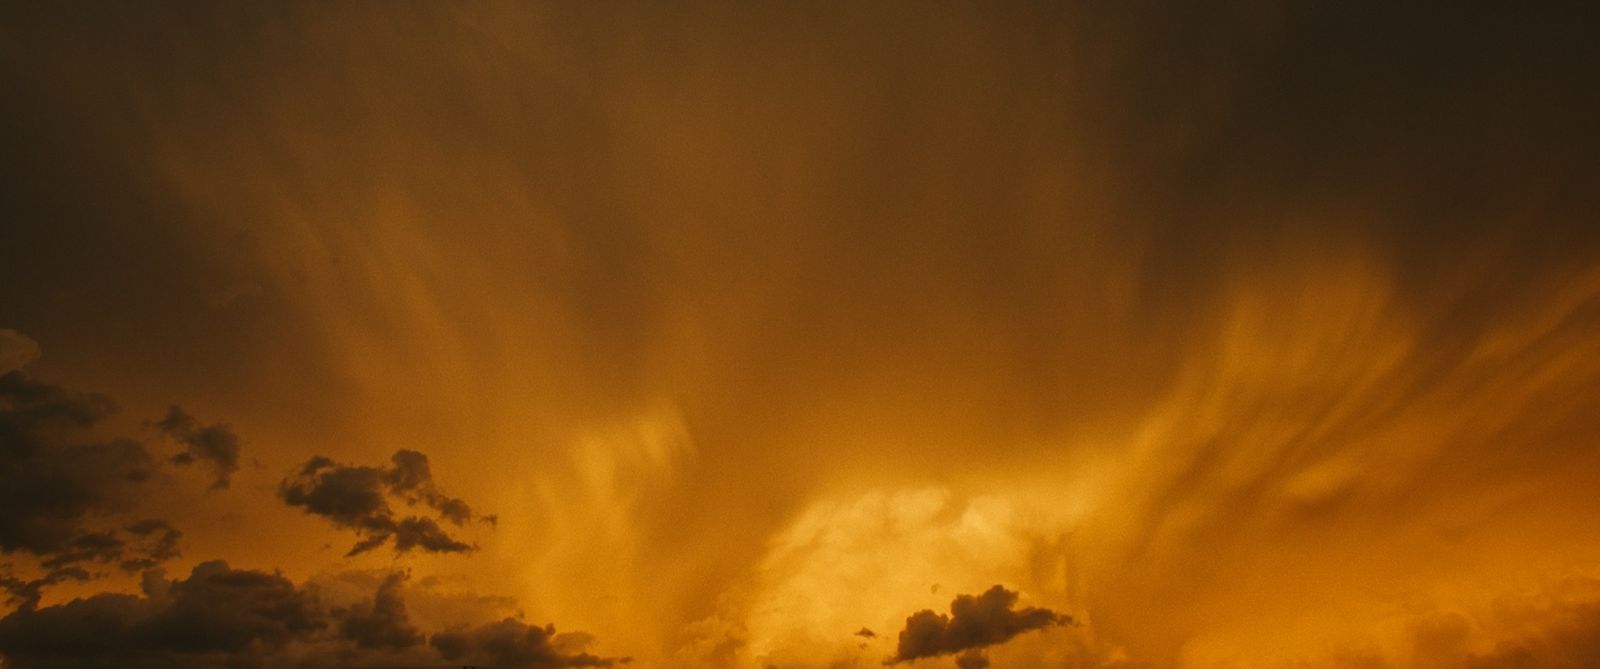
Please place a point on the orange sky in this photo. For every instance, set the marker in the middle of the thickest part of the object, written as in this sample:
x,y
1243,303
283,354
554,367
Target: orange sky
x,y
1243,335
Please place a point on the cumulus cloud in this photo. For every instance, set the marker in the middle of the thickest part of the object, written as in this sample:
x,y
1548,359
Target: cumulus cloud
x,y
974,623
60,486
217,617
381,622
216,445
972,659
357,497
513,644
220,616
1559,627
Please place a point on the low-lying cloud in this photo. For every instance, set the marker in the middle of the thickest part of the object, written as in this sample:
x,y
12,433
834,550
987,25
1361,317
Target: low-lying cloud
x,y
220,616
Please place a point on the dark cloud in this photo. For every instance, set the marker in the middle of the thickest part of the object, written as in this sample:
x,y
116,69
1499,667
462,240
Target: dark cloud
x,y
52,475
972,659
357,497
1559,628
157,541
512,644
217,617
975,622
225,617
60,486
866,633
216,444
381,622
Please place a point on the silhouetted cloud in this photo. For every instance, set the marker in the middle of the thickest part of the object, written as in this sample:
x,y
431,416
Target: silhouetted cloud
x,y
357,498
974,622
59,484
512,644
217,617
972,659
381,622
216,444
866,633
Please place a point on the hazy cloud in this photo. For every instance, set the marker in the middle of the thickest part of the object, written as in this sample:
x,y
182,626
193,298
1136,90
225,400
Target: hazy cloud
x,y
357,497
974,622
381,622
216,445
224,617
513,644
1556,628
16,350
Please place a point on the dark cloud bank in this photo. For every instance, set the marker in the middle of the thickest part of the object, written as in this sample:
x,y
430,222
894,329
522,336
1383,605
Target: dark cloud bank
x,y
214,445
974,623
225,617
64,494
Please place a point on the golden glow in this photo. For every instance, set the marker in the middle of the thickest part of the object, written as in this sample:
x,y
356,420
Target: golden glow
x,y
755,334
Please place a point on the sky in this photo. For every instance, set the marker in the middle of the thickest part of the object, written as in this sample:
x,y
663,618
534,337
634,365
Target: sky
x,y
735,334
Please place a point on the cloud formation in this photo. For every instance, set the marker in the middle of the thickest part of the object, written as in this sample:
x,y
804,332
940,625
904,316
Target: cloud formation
x,y
217,617
61,488
216,445
381,622
357,498
975,622
220,616
512,643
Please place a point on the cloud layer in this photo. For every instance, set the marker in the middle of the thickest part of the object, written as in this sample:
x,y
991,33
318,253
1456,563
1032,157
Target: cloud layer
x,y
220,617
975,622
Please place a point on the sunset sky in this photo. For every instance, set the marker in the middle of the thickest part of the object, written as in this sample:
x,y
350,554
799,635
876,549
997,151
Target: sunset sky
x,y
747,334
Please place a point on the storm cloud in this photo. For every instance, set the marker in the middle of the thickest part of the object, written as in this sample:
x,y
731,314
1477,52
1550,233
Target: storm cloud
x,y
357,498
1206,318
974,623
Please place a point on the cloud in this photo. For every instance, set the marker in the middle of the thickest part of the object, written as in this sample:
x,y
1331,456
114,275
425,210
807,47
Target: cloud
x,y
216,445
974,622
16,350
382,622
511,643
59,485
972,659
357,497
866,633
1559,627
218,616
